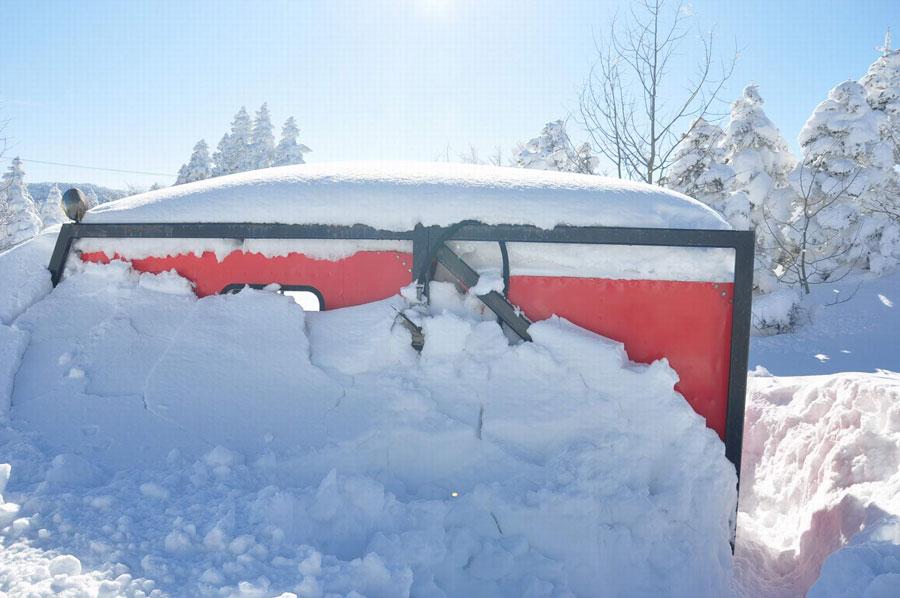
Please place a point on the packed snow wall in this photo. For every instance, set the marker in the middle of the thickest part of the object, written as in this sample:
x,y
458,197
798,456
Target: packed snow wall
x,y
661,302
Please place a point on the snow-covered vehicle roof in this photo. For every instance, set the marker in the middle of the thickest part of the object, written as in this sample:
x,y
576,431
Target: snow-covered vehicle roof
x,y
399,195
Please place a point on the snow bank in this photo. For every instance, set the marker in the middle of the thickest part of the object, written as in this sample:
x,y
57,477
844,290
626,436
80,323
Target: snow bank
x,y
237,445
819,470
397,196
12,345
24,277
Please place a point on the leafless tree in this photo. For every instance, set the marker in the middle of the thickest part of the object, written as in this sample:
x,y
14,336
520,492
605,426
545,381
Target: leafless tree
x,y
628,104
471,156
496,158
806,256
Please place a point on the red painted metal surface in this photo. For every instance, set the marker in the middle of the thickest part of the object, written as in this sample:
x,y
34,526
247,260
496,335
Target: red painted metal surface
x,y
360,278
687,322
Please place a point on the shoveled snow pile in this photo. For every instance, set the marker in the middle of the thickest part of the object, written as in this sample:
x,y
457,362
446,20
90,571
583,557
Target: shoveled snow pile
x,y
820,487
235,445
397,196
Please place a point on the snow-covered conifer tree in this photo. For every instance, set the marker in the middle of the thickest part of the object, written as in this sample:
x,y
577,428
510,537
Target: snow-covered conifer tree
x,y
233,152
51,210
553,150
289,150
882,83
761,160
262,141
845,160
19,218
698,170
199,167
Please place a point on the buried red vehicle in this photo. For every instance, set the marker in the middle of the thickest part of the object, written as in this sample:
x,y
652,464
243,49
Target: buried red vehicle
x,y
647,267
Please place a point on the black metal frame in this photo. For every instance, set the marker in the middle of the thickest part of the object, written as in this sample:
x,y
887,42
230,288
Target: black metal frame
x,y
427,241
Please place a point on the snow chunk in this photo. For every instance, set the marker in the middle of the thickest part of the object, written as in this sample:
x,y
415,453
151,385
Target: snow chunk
x,y
65,564
72,470
153,490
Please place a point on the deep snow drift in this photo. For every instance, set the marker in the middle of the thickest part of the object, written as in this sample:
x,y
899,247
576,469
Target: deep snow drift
x,y
236,445
398,195
97,503
820,470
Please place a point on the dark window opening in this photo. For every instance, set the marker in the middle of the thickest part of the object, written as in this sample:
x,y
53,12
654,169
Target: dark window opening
x,y
307,297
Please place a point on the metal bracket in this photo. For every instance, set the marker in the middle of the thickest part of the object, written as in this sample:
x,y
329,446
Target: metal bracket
x,y
497,303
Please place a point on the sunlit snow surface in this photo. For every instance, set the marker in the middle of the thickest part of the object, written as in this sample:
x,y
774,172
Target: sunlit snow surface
x,y
237,445
476,468
399,195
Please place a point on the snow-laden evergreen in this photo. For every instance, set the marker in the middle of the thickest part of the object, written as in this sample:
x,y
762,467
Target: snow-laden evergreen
x,y
232,153
198,168
289,150
19,218
698,170
51,210
761,161
553,150
262,140
845,164
882,83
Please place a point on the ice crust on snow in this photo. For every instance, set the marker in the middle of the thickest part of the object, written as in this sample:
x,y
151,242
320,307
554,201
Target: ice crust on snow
x,y
399,195
237,445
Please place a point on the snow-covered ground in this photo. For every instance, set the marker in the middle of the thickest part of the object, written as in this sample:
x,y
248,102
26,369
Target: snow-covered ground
x,y
160,444
821,466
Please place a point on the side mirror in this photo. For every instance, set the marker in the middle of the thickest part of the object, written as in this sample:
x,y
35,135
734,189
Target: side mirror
x,y
74,204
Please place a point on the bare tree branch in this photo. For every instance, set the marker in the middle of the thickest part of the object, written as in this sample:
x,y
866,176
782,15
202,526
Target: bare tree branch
x,y
623,100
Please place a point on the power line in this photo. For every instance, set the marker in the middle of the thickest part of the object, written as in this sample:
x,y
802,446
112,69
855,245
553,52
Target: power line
x,y
98,168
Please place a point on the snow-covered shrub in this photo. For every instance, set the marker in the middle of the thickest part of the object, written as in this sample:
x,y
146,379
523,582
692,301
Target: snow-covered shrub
x,y
777,311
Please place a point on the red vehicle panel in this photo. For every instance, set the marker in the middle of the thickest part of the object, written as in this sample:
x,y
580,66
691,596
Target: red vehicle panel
x,y
360,278
689,323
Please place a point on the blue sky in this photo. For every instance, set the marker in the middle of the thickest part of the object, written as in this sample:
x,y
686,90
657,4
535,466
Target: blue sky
x,y
132,85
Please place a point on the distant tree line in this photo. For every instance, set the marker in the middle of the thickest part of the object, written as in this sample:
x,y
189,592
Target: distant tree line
x,y
249,145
